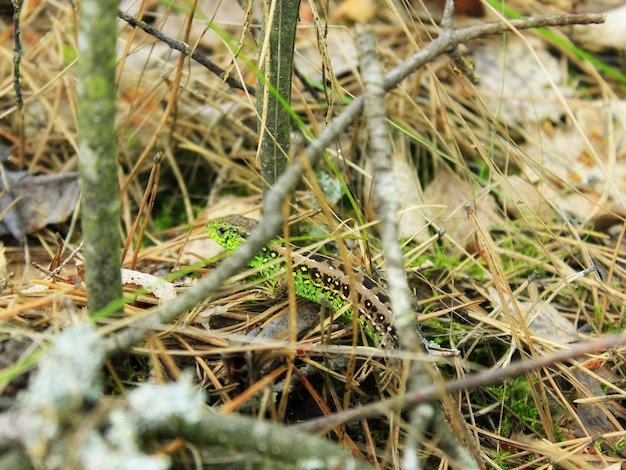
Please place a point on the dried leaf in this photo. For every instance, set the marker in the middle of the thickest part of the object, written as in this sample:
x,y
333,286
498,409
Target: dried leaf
x,y
162,290
33,202
545,321
513,84
447,190
597,418
561,154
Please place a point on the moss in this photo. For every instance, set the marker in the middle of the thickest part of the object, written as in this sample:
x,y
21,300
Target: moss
x,y
515,396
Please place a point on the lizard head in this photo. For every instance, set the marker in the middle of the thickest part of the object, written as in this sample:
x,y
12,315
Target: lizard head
x,y
230,231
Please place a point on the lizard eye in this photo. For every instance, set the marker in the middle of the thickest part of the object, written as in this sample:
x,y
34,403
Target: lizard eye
x,y
221,231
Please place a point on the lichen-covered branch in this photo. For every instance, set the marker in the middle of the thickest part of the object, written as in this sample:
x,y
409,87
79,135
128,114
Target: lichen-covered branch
x,y
97,147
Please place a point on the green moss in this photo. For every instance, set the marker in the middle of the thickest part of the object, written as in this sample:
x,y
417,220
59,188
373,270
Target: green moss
x,y
516,397
501,455
172,214
619,446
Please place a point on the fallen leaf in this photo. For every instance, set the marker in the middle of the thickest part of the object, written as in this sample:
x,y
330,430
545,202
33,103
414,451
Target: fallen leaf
x,y
514,85
545,321
597,418
159,288
447,196
34,201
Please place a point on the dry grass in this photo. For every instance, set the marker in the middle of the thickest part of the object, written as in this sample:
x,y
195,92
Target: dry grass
x,y
523,252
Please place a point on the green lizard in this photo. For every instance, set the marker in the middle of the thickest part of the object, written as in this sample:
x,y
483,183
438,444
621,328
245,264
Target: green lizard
x,y
316,277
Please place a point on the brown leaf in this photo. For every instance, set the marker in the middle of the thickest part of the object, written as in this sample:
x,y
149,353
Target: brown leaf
x,y
35,201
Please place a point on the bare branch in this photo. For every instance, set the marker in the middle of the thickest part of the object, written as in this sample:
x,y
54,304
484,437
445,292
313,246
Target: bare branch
x,y
487,377
185,49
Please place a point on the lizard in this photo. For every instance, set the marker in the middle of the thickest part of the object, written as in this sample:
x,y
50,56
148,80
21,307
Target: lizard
x,y
322,279
317,277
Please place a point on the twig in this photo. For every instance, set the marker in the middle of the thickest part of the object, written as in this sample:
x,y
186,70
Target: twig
x,y
386,200
17,52
185,49
17,83
459,61
386,204
145,208
515,369
447,41
69,257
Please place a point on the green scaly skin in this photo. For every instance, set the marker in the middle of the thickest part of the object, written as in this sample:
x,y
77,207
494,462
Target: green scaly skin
x,y
318,278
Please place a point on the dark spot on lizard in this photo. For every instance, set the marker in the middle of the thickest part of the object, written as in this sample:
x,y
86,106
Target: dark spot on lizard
x,y
382,297
369,283
319,258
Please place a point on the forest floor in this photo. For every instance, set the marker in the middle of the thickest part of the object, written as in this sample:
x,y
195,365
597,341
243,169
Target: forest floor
x,y
512,203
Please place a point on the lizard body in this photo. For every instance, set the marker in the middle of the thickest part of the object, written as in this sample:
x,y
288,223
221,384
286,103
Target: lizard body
x,y
317,278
